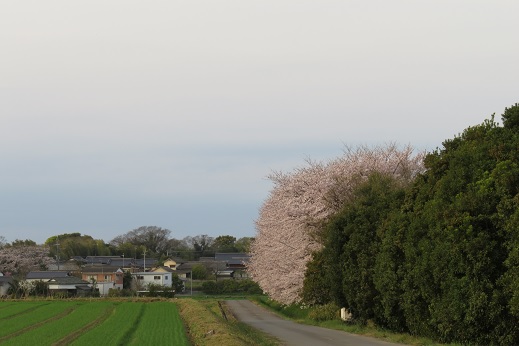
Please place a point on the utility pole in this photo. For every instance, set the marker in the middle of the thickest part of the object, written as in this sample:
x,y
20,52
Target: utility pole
x,y
57,252
144,259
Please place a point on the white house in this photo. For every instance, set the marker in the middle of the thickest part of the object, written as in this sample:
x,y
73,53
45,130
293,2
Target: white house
x,y
143,279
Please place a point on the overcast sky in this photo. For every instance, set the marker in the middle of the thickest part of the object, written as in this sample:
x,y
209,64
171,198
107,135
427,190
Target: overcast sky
x,y
119,114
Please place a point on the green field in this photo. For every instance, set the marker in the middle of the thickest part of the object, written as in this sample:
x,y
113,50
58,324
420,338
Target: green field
x,y
91,322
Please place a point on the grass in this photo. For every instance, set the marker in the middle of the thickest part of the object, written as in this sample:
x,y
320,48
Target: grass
x,y
17,309
125,321
59,329
206,325
160,321
23,321
114,330
83,322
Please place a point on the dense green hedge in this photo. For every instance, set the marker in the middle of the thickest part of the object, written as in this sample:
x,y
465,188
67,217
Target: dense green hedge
x,y
439,258
231,286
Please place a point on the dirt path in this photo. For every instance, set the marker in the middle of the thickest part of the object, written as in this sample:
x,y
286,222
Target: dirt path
x,y
292,333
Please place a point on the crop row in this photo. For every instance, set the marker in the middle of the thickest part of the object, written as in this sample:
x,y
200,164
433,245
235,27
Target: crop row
x,y
85,323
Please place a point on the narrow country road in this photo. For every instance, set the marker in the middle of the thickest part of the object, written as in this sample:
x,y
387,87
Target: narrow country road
x,y
291,333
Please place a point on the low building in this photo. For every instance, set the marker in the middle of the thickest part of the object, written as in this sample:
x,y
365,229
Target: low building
x,y
104,277
142,280
70,286
46,275
4,284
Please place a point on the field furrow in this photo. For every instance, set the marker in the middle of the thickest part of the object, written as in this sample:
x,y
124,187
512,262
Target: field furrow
x,y
75,334
52,332
22,323
115,329
87,322
160,325
19,309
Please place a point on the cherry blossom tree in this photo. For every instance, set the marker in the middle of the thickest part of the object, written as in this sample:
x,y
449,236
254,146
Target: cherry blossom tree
x,y
18,260
290,220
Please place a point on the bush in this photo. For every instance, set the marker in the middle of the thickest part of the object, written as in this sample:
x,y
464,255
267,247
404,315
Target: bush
x,y
327,312
112,292
200,272
210,287
231,286
249,287
155,290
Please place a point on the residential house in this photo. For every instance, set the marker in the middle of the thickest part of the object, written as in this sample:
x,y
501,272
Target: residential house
x,y
70,265
99,259
145,264
163,269
235,264
141,280
71,286
45,276
4,284
173,263
60,282
104,277
126,264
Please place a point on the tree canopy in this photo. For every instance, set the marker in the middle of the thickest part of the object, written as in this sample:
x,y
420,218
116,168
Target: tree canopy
x,y
438,257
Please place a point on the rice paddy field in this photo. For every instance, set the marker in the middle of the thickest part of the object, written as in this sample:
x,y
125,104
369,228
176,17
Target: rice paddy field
x,y
83,322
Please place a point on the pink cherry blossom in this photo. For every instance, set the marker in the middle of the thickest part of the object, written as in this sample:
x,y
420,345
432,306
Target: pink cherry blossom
x,y
18,260
290,221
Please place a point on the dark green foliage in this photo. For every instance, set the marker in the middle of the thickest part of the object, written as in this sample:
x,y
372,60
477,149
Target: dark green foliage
x,y
439,258
200,272
317,289
326,312
19,242
224,243
353,241
455,246
68,245
127,280
511,117
177,283
231,286
156,290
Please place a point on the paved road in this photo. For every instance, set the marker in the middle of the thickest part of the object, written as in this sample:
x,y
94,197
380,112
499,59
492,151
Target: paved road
x,y
291,333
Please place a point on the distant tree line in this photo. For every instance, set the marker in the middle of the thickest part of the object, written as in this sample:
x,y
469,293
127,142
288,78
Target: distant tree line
x,y
150,240
437,256
21,256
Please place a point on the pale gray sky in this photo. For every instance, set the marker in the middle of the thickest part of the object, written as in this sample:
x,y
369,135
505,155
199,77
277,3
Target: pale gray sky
x,y
118,114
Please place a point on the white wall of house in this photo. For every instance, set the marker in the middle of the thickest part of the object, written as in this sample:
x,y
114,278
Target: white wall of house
x,y
104,287
143,279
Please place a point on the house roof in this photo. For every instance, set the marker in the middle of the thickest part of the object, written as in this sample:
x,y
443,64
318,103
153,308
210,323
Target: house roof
x,y
233,258
6,279
47,275
100,269
99,259
126,262
165,269
150,262
71,280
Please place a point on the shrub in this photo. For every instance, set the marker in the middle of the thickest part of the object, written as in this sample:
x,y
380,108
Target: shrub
x,y
325,312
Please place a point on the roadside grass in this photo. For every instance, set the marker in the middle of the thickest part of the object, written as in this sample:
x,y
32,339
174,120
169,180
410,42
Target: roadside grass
x,y
210,323
296,313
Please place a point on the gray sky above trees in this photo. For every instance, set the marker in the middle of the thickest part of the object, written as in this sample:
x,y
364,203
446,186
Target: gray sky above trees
x,y
119,114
